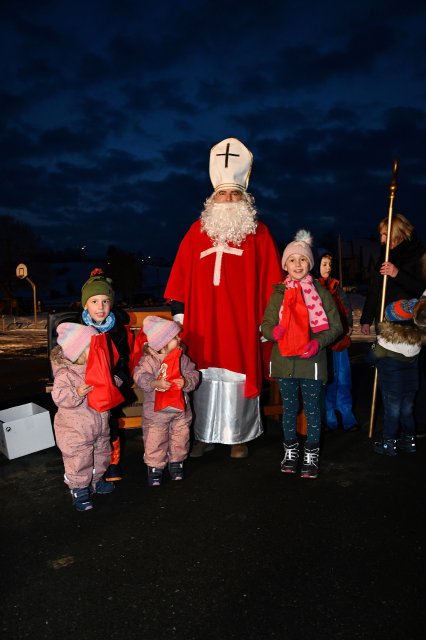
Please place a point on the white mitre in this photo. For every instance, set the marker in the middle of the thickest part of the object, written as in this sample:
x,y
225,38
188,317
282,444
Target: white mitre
x,y
230,165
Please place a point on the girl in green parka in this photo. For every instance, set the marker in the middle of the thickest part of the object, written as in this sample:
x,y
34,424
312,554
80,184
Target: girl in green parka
x,y
302,319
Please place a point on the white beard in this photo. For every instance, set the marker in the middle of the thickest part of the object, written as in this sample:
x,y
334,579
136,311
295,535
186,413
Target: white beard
x,y
228,222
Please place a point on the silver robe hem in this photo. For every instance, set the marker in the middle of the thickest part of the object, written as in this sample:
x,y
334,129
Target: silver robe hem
x,y
222,414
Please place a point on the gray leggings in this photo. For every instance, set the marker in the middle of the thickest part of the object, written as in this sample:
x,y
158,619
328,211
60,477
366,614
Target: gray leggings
x,y
311,391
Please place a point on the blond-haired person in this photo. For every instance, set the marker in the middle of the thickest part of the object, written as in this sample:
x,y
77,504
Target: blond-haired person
x,y
405,268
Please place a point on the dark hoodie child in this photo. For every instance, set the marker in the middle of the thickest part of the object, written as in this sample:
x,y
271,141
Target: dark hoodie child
x,y
338,392
113,324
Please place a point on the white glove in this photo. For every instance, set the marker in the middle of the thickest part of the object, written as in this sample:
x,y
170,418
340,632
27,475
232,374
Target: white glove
x,y
178,318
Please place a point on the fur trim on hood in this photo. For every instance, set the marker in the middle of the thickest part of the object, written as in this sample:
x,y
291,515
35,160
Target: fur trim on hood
x,y
402,333
58,358
59,361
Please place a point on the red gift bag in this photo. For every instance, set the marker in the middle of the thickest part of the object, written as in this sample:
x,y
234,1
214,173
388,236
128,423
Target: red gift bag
x,y
295,320
103,357
137,351
172,399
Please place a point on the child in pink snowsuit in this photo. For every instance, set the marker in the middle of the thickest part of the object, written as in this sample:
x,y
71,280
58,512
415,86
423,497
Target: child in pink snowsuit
x,y
82,433
165,433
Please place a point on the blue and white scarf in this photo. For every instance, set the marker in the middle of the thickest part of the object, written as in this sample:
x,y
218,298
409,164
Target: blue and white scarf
x,y
105,326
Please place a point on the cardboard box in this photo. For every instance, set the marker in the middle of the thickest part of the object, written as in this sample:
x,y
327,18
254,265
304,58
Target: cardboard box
x,y
134,409
25,429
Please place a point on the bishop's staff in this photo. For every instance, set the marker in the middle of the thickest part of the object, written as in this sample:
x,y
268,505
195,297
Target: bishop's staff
x,y
392,189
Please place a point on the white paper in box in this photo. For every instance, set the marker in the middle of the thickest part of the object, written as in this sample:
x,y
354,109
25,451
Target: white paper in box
x,y
25,429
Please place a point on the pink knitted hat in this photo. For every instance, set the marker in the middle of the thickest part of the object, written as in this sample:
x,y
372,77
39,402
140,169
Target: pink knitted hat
x,y
301,245
74,338
160,331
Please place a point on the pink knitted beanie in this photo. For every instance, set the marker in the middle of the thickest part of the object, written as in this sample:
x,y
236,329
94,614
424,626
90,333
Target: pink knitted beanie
x,y
301,245
160,331
74,338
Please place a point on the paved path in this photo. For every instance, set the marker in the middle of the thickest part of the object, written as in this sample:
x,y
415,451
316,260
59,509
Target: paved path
x,y
237,550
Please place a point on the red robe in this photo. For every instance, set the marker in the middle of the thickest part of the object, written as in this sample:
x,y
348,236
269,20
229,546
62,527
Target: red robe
x,y
221,323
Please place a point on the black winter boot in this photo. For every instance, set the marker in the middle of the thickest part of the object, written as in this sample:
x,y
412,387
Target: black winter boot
x,y
386,447
176,470
291,456
406,444
155,476
81,499
310,461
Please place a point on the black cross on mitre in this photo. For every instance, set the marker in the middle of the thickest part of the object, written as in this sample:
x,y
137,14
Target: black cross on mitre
x,y
227,154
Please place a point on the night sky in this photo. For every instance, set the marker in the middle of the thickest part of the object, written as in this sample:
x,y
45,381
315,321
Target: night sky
x,y
110,107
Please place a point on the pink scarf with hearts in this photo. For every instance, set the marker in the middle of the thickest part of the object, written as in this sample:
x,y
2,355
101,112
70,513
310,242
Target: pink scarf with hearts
x,y
317,316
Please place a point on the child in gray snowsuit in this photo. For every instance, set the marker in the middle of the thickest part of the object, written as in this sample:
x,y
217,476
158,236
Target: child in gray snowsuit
x,y
82,434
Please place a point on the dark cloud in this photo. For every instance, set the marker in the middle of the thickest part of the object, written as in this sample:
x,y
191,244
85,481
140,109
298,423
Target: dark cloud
x,y
12,105
166,94
109,111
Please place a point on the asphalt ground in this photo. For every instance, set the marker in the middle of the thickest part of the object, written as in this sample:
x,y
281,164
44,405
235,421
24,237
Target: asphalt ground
x,y
236,550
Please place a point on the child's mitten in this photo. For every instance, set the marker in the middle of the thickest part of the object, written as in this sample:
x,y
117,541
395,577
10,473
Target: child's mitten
x,y
278,332
311,349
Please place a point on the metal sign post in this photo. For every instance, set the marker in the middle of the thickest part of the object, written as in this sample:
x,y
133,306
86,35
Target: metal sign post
x,y
22,273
